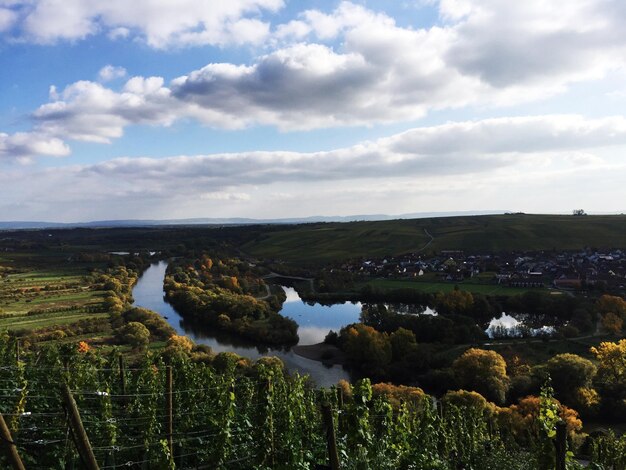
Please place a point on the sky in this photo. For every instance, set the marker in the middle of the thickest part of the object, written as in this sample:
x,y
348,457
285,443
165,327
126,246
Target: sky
x,y
166,109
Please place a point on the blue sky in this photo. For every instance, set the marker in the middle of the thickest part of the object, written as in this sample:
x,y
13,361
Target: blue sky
x,y
278,108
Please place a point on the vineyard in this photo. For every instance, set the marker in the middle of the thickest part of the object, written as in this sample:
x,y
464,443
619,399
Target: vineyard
x,y
230,414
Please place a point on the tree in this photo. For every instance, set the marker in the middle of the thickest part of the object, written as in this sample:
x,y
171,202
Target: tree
x,y
611,359
612,323
523,419
613,311
569,373
135,334
398,394
403,343
611,377
612,304
578,212
180,343
484,372
367,348
457,301
465,399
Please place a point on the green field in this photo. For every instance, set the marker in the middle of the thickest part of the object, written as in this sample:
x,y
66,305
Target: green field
x,y
328,242
433,287
53,296
22,322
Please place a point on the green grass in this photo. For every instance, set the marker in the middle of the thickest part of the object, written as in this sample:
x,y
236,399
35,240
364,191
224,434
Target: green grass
x,y
323,243
432,287
43,321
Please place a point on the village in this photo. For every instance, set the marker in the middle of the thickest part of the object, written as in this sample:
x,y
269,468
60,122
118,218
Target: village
x,y
565,270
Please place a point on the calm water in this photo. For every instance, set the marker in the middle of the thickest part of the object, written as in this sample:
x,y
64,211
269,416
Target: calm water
x,y
315,321
511,326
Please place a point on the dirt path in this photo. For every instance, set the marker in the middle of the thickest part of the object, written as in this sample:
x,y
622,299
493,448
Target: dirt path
x,y
267,293
429,241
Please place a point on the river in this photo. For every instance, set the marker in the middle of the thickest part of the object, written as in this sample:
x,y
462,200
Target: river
x,y
314,323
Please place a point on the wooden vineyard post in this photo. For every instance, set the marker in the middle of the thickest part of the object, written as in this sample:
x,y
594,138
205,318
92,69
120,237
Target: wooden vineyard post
x,y
82,440
327,415
560,445
169,395
122,375
7,442
340,424
270,392
17,352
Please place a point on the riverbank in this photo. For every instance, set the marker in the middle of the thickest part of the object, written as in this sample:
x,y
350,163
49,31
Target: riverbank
x,y
322,352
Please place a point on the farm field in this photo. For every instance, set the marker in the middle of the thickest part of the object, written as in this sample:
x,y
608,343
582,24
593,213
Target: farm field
x,y
33,296
323,243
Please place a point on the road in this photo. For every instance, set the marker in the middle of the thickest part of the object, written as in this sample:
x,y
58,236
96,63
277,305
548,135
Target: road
x,y
310,280
268,293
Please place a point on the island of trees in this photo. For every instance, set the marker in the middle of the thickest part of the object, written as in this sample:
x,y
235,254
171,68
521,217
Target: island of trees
x,y
228,295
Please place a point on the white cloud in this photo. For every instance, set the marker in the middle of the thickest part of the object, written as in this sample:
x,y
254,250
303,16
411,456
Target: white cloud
x,y
27,144
118,33
166,23
111,72
88,111
485,54
225,196
464,163
535,43
524,134
454,148
294,30
381,73
7,19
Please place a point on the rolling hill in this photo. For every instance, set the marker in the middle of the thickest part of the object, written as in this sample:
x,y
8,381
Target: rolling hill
x,y
323,242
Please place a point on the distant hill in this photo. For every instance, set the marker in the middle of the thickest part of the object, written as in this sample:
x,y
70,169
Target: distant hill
x,y
491,233
17,225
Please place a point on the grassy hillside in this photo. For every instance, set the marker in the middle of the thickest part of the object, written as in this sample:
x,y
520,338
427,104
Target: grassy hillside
x,y
319,243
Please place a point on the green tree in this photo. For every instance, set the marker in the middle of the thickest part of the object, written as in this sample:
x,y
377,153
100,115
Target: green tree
x,y
484,372
135,334
611,359
611,377
570,373
367,348
403,343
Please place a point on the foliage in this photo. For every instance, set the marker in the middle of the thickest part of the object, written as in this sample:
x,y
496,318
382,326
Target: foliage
x,y
159,328
609,451
612,323
223,294
611,377
571,374
483,371
135,334
180,343
230,414
366,348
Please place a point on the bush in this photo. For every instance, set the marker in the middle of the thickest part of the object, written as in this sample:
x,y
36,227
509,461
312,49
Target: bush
x,y
134,334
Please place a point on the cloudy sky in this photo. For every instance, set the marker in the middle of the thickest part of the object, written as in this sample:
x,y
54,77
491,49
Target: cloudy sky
x,y
283,108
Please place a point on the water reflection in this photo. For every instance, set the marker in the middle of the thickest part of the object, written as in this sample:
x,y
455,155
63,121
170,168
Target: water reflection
x,y
315,322
508,326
